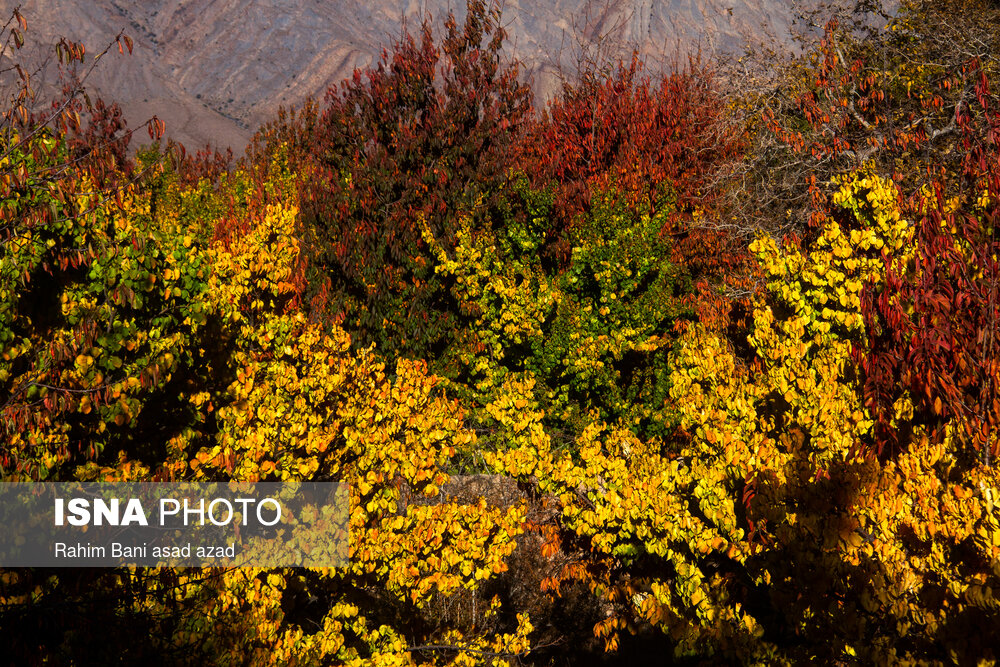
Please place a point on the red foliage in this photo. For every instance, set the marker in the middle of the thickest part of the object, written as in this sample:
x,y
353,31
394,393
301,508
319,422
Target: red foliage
x,y
934,326
658,142
852,110
103,139
208,163
421,136
935,329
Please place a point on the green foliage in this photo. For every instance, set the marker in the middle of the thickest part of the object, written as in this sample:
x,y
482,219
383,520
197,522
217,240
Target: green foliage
x,y
102,306
592,335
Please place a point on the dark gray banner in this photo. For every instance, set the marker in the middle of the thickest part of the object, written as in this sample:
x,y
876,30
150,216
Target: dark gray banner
x,y
227,524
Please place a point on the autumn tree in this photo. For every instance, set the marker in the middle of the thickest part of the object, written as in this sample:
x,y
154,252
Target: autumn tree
x,y
66,267
932,325
898,92
421,135
657,138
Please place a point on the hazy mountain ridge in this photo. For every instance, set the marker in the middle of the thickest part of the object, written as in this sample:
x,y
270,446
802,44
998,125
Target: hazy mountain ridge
x,y
215,70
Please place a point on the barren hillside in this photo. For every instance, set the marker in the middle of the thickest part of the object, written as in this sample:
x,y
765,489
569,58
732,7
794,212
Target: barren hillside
x,y
215,69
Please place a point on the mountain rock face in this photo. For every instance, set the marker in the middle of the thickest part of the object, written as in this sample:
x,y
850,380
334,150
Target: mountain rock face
x,y
213,70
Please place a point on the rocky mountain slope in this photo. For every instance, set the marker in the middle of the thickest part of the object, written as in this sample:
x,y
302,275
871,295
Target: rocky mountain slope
x,y
215,69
